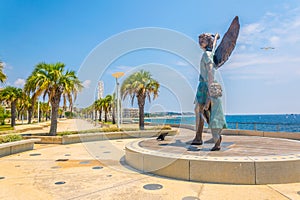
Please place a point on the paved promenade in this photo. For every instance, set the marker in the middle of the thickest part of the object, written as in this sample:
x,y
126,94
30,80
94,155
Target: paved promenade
x,y
63,125
96,170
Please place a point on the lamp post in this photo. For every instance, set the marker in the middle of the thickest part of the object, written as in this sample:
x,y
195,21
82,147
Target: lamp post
x,y
118,75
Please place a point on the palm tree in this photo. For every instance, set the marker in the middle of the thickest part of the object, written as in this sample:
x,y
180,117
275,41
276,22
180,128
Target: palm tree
x,y
140,85
98,107
31,88
2,75
113,107
41,109
45,108
95,110
52,81
106,105
88,111
26,104
22,105
70,95
11,95
60,112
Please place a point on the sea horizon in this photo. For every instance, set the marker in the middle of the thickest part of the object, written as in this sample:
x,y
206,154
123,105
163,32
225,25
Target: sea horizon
x,y
192,113
259,122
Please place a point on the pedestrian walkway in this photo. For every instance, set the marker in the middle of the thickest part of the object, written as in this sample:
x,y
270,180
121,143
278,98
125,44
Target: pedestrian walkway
x,y
96,170
62,125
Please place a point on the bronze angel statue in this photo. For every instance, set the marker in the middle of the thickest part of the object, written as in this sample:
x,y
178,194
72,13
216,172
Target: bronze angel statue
x,y
208,98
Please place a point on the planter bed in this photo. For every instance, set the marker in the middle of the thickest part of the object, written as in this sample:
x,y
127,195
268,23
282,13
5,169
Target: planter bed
x,y
17,146
86,137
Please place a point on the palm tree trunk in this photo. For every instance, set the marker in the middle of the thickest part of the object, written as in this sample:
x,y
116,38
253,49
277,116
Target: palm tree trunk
x,y
13,113
113,115
105,116
18,114
141,118
54,113
100,115
96,113
71,111
141,103
40,116
30,111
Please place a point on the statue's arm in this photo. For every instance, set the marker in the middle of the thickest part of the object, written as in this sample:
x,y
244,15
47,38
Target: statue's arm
x,y
217,36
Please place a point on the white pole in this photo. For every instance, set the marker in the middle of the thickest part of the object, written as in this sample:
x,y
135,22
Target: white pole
x,y
118,75
94,117
118,109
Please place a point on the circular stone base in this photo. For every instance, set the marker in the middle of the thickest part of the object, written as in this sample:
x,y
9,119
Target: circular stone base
x,y
241,160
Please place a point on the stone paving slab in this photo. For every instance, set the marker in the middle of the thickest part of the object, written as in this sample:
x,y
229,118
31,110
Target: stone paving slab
x,y
34,177
242,159
236,146
33,174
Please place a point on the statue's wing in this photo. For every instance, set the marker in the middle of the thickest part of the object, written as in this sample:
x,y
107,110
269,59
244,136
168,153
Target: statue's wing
x,y
227,44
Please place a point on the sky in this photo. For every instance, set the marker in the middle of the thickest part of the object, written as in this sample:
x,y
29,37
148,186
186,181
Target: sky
x,y
99,38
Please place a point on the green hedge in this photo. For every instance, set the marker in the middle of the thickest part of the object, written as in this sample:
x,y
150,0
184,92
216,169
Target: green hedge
x,y
10,138
112,129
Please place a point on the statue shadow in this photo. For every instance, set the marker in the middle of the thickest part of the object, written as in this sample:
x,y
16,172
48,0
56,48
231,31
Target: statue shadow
x,y
179,143
206,146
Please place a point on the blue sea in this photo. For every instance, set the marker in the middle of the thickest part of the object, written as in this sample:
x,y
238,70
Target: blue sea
x,y
278,123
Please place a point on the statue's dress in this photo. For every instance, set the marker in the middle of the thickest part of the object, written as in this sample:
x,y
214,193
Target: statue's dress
x,y
217,119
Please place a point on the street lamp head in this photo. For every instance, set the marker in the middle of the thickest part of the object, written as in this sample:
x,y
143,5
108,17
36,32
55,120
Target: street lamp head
x,y
118,74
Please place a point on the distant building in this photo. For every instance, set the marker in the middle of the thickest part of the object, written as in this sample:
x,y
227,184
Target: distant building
x,y
4,104
100,90
130,112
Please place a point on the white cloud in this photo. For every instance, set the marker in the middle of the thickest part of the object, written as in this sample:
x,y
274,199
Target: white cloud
x,y
278,65
6,66
86,83
278,29
124,68
252,29
242,47
275,41
268,68
181,63
19,82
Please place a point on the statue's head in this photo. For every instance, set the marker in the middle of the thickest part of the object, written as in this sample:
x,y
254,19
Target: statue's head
x,y
206,41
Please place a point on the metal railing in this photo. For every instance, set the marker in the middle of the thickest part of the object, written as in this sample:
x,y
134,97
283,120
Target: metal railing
x,y
255,126
264,126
